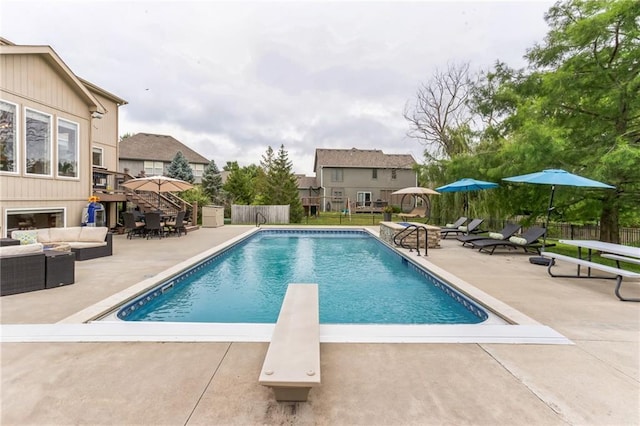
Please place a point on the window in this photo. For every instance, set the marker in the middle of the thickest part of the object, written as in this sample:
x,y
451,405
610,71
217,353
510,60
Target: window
x,y
364,198
394,173
336,175
8,137
34,218
197,169
154,168
97,156
67,148
374,173
38,141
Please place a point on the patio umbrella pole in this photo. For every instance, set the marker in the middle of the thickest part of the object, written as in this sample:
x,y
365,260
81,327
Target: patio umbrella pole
x,y
539,260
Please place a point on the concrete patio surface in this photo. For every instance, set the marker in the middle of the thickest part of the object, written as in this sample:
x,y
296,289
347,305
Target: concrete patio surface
x,y
595,381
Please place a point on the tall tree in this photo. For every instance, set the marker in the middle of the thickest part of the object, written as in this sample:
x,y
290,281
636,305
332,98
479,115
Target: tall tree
x,y
440,117
280,183
240,184
212,182
180,168
588,71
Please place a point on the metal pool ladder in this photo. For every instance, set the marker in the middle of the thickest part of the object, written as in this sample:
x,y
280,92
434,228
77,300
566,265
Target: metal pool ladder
x,y
399,238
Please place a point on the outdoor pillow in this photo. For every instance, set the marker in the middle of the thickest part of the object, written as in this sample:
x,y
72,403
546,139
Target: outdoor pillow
x,y
496,236
449,225
462,228
25,237
518,240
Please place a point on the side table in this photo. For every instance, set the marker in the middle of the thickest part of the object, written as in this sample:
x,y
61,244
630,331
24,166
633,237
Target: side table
x,y
60,268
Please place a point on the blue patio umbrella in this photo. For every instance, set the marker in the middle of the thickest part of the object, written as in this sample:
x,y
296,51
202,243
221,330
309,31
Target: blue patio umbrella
x,y
555,177
466,185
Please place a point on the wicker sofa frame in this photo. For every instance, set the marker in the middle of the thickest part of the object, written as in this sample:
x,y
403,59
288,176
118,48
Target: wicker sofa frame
x,y
21,273
87,253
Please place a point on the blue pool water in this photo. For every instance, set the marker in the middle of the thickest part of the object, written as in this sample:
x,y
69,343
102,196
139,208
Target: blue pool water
x,y
360,281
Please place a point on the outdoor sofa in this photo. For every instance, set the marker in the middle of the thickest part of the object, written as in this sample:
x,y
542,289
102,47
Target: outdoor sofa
x,y
22,269
87,242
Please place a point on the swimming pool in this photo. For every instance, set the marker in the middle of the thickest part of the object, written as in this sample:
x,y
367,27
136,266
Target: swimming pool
x,y
361,281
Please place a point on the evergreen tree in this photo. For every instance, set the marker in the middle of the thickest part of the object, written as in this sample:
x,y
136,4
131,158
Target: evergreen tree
x,y
281,184
180,169
212,182
241,183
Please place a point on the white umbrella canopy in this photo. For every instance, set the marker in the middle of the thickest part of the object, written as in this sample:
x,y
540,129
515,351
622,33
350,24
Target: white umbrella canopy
x,y
157,184
416,190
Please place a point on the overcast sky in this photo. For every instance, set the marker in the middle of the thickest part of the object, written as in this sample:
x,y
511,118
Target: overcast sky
x,y
229,79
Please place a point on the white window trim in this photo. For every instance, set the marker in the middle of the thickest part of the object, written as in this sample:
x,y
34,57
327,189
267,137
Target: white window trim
x,y
16,148
101,156
52,135
26,210
77,176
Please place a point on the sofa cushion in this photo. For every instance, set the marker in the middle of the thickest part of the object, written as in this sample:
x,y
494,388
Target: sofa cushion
x,y
43,235
85,244
64,234
91,234
21,249
26,237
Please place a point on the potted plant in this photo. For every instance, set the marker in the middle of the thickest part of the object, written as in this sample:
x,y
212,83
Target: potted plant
x,y
387,211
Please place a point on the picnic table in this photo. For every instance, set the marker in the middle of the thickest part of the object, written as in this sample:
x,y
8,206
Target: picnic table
x,y
617,252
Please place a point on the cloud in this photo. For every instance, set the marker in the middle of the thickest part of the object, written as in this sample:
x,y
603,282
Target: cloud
x,y
231,78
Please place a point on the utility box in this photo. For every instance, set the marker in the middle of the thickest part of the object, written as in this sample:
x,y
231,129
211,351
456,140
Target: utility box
x,y
212,216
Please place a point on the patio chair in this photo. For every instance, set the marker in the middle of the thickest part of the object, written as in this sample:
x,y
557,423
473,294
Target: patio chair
x,y
133,227
153,225
472,228
177,226
529,242
504,234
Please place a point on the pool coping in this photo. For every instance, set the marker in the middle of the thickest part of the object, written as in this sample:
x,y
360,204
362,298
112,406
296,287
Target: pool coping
x,y
84,325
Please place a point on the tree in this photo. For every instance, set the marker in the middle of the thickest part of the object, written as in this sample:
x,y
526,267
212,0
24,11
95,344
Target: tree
x,y
180,169
240,184
588,101
440,117
212,182
281,184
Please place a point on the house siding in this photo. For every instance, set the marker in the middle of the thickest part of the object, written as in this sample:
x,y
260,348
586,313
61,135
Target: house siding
x,y
35,82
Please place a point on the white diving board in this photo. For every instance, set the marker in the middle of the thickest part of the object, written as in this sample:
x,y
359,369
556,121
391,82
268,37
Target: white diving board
x,y
292,364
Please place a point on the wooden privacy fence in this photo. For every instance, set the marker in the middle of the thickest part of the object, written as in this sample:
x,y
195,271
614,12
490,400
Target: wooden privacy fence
x,y
242,215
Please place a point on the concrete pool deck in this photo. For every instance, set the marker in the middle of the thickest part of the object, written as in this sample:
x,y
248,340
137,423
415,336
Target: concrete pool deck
x,y
595,381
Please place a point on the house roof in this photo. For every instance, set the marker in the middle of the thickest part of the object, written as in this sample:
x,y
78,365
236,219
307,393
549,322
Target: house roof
x,y
306,181
362,158
49,55
147,146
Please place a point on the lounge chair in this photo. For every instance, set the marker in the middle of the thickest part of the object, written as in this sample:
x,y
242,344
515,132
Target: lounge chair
x,y
461,220
472,228
504,234
529,242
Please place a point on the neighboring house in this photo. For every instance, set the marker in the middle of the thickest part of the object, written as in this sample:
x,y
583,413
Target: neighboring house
x,y
366,177
152,154
53,127
310,194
